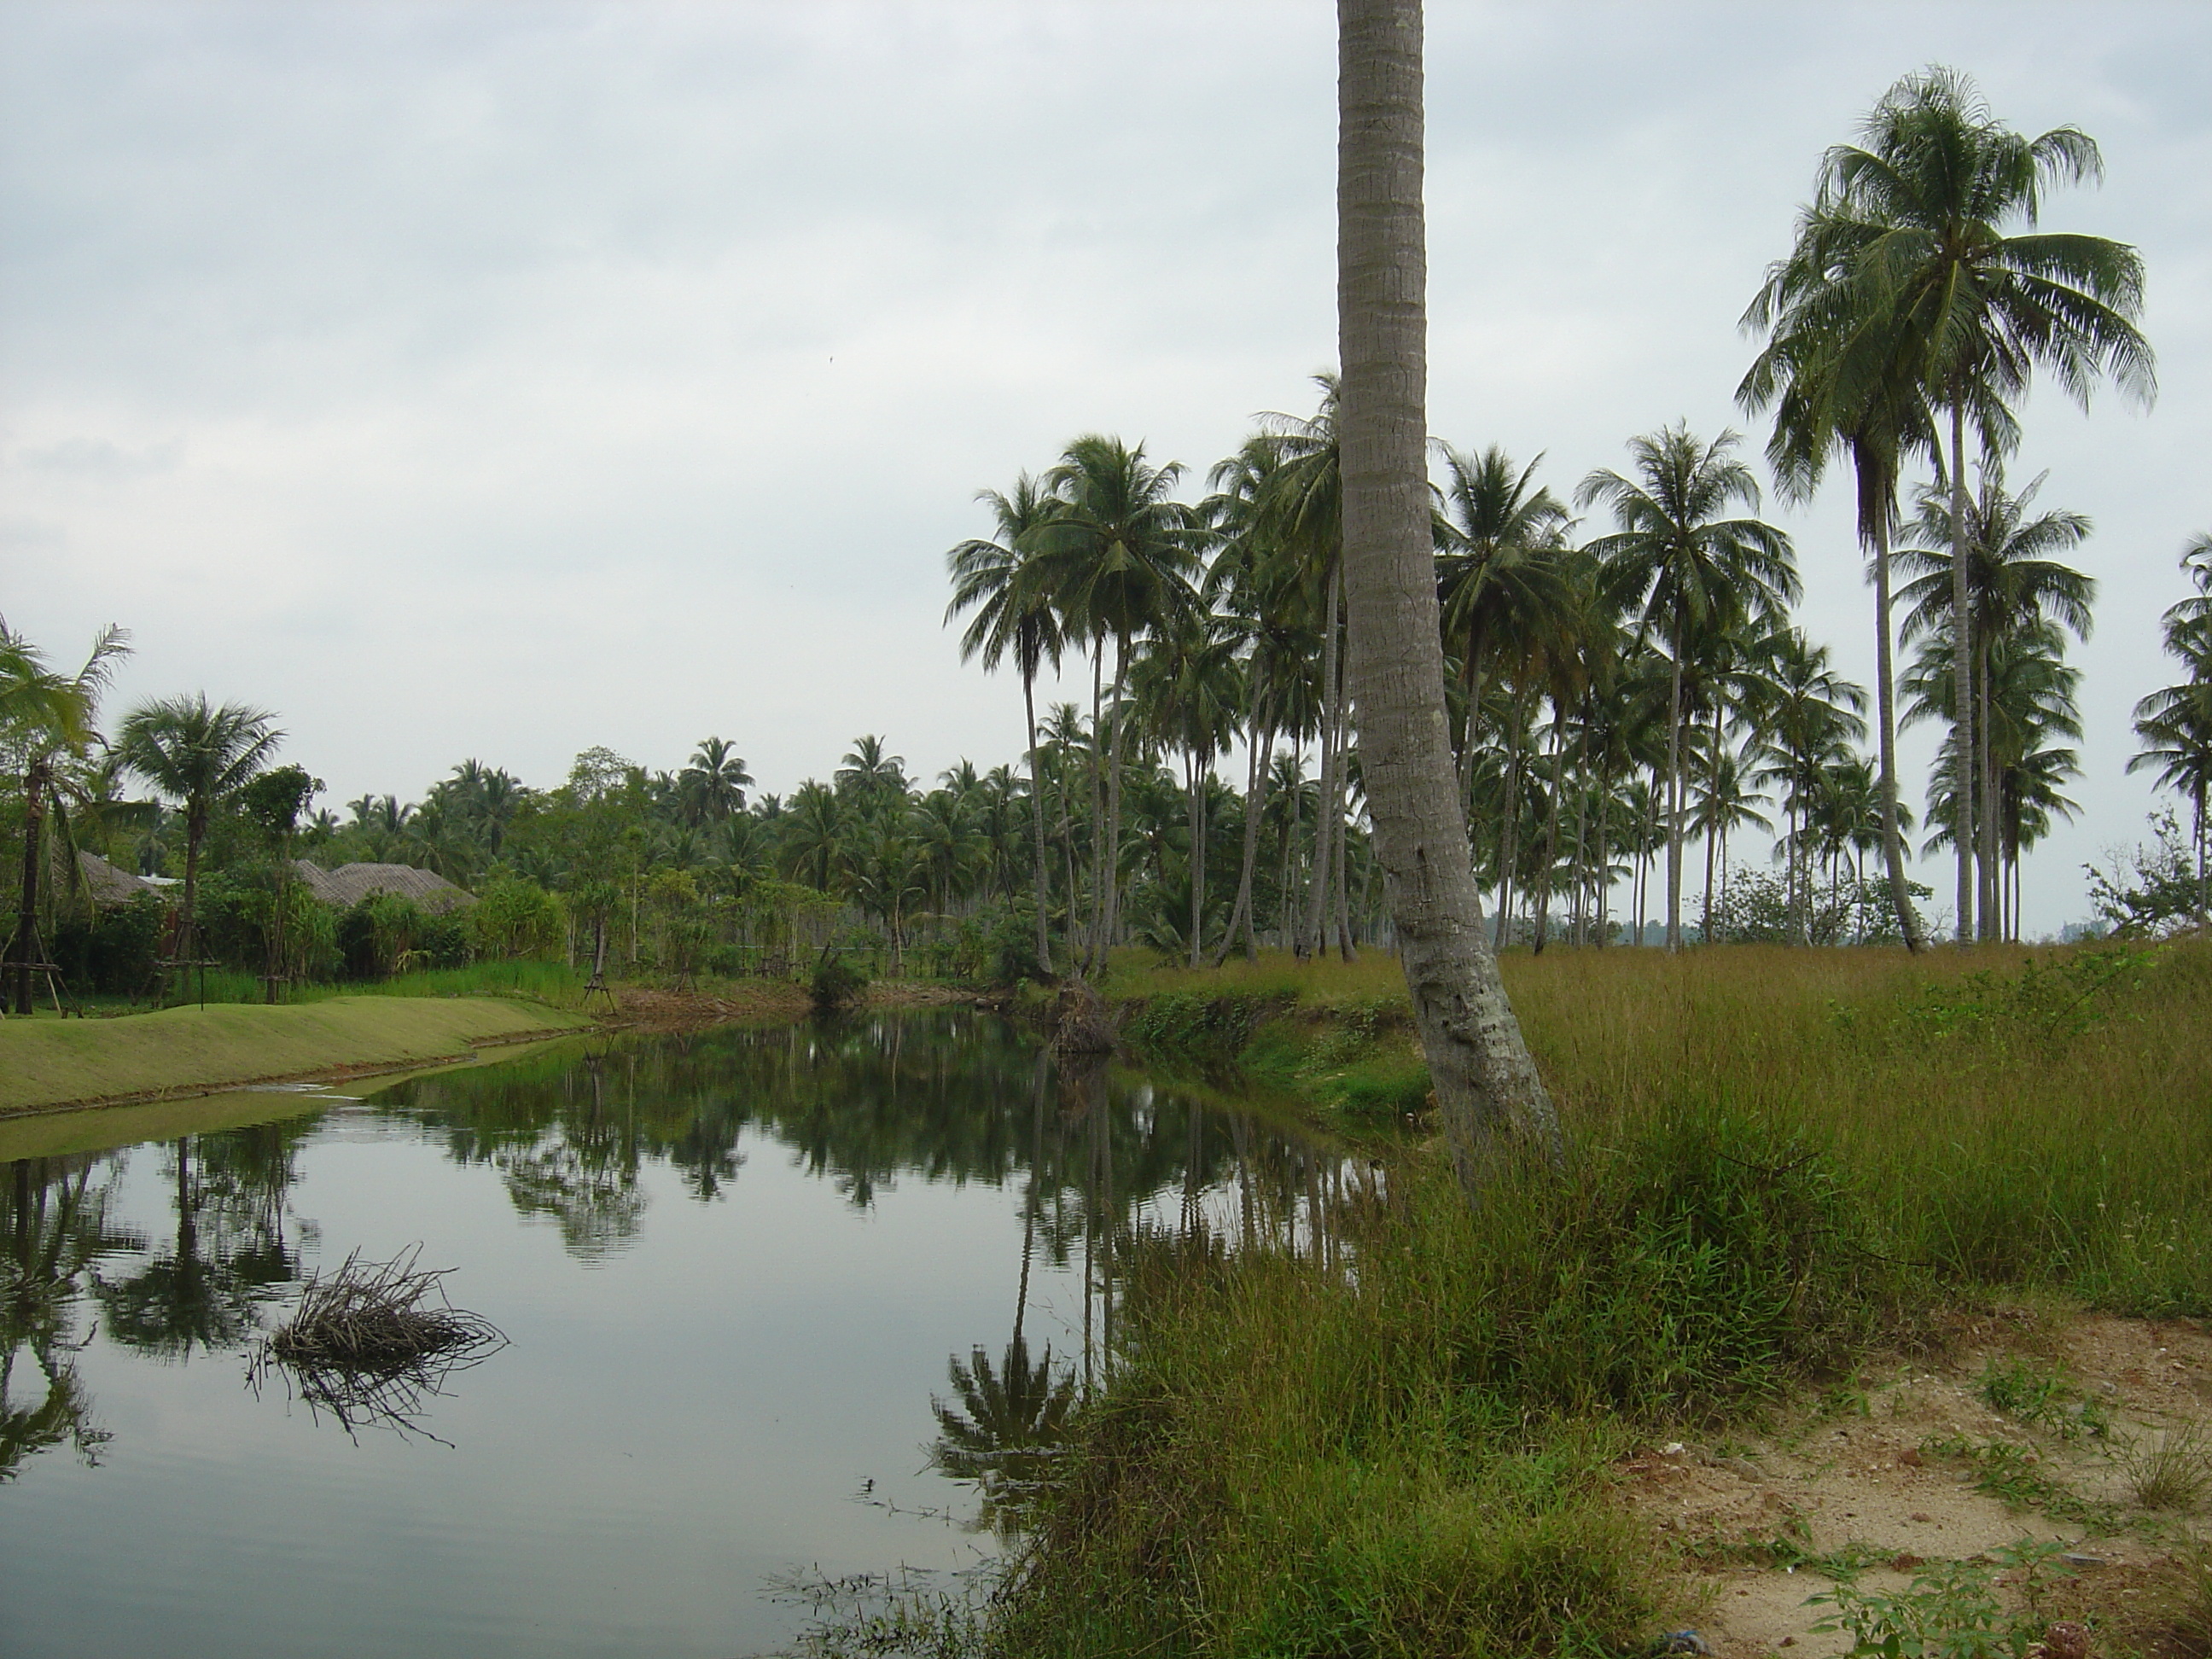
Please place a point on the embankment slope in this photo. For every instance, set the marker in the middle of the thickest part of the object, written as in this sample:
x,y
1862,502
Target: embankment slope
x,y
53,1065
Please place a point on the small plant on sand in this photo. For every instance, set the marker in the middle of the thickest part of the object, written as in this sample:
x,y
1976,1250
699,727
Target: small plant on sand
x,y
2021,1388
2174,1472
1951,1611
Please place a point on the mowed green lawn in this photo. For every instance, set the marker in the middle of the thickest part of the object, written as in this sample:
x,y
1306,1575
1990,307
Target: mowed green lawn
x,y
52,1063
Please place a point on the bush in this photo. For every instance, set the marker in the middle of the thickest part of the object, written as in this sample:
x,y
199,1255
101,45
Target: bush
x,y
1408,1459
114,952
515,917
837,983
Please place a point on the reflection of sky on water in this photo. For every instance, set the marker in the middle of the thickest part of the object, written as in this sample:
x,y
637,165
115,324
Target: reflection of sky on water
x,y
697,1385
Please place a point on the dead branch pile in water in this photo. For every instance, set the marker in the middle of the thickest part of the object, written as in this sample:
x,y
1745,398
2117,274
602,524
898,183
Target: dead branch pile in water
x,y
1081,1022
373,1340
371,1317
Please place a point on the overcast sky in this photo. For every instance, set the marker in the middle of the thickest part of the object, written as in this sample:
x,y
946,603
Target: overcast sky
x,y
493,380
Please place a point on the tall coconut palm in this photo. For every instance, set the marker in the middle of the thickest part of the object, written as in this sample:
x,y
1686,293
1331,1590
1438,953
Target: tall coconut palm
x,y
1502,570
1688,570
1842,380
712,786
1487,1087
1809,718
198,754
1001,581
2013,585
1192,686
46,719
1302,511
1119,556
1724,803
1935,216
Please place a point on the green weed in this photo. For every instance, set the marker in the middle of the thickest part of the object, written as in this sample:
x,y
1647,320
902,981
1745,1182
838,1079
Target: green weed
x,y
2023,1389
2018,1475
1951,1611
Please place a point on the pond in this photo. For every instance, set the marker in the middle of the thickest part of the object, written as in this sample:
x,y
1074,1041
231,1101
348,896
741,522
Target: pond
x,y
766,1293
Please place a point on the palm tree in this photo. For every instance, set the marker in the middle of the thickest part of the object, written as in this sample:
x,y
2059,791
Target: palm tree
x,y
1001,581
1691,572
2032,691
1118,557
198,754
1191,685
2012,587
1724,803
46,719
1809,718
2174,723
713,787
1487,1087
1301,511
1840,380
1510,599
1921,215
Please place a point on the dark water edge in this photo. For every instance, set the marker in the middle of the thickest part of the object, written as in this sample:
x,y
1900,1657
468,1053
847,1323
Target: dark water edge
x,y
796,1300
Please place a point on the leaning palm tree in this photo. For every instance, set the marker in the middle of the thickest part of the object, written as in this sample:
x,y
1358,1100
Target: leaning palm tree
x,y
999,580
199,755
1488,1090
1689,570
1933,220
46,719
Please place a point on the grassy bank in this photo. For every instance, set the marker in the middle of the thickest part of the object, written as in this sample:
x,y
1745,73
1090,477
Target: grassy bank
x,y
1779,1161
2003,1116
48,1064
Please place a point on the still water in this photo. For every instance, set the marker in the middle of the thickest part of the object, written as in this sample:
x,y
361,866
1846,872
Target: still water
x,y
743,1274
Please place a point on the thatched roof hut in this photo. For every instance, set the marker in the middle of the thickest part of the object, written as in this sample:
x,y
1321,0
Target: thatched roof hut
x,y
350,883
110,884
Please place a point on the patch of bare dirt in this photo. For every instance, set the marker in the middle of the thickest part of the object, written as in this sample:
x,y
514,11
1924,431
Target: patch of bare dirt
x,y
648,1008
1883,1479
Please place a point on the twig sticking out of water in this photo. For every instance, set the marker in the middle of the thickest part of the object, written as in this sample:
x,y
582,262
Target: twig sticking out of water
x,y
369,1345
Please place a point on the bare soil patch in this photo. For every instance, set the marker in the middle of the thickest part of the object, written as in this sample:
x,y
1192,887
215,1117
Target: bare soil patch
x,y
651,1009
1911,1466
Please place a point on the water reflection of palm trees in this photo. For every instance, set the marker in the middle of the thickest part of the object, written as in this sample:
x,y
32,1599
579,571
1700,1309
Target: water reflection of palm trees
x,y
1008,1428
229,1258
56,1223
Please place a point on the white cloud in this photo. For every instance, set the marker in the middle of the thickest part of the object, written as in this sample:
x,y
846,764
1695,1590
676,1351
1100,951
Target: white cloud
x,y
476,379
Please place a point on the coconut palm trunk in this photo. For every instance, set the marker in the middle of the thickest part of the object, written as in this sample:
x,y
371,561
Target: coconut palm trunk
x,y
1110,877
1986,818
1314,934
1675,800
1036,821
1260,753
1962,682
1893,838
25,944
1488,1092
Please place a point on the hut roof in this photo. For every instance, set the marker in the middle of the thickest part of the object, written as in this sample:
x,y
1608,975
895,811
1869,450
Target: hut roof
x,y
110,884
350,883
